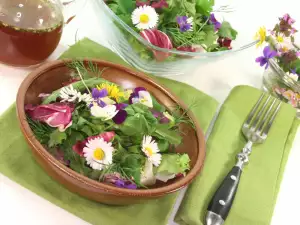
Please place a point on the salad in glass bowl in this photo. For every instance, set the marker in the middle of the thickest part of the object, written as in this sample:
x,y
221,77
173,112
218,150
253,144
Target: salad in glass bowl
x,y
166,37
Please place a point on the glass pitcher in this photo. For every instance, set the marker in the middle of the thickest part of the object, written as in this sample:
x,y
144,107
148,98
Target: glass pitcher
x,y
30,30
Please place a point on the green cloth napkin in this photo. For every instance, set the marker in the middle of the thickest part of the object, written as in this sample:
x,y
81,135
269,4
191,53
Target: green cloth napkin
x,y
17,162
260,182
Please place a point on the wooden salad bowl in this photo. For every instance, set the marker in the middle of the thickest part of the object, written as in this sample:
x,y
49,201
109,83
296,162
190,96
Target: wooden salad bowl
x,y
50,77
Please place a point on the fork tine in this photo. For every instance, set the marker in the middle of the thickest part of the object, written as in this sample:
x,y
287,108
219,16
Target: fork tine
x,y
258,116
254,109
268,126
266,116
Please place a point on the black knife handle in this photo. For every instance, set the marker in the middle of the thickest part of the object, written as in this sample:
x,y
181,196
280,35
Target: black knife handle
x,y
224,196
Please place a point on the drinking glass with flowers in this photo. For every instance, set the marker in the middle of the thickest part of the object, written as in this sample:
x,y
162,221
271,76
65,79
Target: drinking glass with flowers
x,y
281,60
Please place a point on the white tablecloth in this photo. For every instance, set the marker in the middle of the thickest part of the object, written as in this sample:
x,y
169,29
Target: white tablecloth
x,y
20,206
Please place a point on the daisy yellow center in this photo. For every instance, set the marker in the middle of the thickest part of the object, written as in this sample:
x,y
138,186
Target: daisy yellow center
x,y
144,18
149,151
99,154
284,49
279,39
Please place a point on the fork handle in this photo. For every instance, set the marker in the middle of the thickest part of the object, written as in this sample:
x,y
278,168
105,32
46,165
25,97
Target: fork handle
x,y
222,200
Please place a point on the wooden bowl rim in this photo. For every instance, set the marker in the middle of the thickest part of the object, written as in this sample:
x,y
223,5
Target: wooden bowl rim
x,y
160,191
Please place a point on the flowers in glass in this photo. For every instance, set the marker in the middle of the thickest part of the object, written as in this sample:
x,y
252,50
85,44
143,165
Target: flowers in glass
x,y
280,46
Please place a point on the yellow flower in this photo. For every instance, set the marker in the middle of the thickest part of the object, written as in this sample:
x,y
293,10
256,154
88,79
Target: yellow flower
x,y
112,90
261,36
280,39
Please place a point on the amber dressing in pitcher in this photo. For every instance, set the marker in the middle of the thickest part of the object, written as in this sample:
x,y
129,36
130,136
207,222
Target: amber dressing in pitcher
x,y
30,30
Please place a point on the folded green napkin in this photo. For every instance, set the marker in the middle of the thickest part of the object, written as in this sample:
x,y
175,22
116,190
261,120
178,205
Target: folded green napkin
x,y
260,182
17,162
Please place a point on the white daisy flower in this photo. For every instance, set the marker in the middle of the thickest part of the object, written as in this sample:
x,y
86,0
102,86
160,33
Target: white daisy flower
x,y
144,17
292,76
107,112
69,94
150,148
87,98
282,43
98,153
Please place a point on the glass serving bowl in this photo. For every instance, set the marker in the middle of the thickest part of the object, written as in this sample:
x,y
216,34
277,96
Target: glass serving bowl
x,y
280,85
136,51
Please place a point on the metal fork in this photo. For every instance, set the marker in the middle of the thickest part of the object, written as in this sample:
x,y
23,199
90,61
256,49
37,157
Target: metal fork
x,y
255,129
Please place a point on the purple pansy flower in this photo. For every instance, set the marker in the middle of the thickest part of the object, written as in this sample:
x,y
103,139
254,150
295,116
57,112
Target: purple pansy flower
x,y
116,179
97,95
215,22
185,23
141,95
160,117
121,116
125,184
268,54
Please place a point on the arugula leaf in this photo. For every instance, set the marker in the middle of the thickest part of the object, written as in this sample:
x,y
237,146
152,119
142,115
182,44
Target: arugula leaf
x,y
139,108
67,145
95,174
190,7
56,138
135,149
126,6
78,164
204,6
157,106
126,18
227,31
114,7
162,131
210,39
151,121
163,145
129,110
133,125
130,164
296,65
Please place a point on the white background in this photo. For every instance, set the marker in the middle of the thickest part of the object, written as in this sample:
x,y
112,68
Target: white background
x,y
20,206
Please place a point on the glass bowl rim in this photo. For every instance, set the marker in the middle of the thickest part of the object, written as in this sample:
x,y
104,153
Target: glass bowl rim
x,y
288,80
153,47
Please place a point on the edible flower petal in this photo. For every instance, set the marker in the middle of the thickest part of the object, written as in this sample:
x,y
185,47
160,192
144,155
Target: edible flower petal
x,y
159,39
106,136
106,113
115,178
151,150
144,17
215,22
98,153
185,23
142,97
55,115
268,54
261,36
